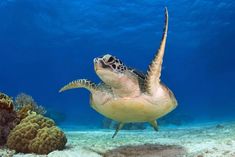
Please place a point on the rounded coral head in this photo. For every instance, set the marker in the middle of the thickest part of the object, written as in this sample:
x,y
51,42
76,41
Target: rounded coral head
x,y
36,134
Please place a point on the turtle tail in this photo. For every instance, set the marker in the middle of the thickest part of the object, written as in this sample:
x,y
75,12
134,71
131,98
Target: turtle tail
x,y
81,83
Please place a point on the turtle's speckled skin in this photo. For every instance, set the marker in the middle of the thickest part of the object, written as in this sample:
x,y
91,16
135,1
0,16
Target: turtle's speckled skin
x,y
126,95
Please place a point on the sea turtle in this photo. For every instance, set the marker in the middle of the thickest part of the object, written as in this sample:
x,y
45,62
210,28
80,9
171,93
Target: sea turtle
x,y
126,95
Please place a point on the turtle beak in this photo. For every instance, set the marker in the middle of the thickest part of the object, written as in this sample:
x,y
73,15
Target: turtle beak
x,y
95,60
97,63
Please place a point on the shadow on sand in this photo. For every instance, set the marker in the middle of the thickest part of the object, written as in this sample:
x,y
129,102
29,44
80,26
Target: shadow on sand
x,y
147,150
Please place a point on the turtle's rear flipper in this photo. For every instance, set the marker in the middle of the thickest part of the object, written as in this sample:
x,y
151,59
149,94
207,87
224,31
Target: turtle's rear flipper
x,y
154,125
119,127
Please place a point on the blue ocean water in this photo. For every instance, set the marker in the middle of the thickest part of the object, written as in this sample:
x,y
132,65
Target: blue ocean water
x,y
46,44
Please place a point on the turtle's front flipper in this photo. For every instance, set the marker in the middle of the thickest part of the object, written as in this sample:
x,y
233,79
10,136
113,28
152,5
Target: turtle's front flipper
x,y
154,72
119,127
82,83
154,125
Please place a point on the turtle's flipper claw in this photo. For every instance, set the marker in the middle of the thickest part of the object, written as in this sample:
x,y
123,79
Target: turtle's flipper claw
x,y
119,127
154,125
156,128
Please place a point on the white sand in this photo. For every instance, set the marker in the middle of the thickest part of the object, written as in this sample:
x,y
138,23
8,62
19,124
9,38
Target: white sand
x,y
206,141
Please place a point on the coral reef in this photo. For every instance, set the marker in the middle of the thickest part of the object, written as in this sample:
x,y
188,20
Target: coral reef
x,y
23,112
36,134
6,102
8,117
23,103
48,139
8,120
146,151
110,124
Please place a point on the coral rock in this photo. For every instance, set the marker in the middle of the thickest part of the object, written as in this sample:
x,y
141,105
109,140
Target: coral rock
x,y
47,139
6,102
23,112
8,117
36,134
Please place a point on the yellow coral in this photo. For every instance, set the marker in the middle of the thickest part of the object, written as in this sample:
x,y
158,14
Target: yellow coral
x,y
47,140
23,112
6,102
36,134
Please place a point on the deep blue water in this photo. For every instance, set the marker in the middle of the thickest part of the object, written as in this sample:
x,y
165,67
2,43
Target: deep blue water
x,y
46,44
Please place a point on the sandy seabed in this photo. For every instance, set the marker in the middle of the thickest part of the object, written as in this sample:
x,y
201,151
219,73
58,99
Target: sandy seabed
x,y
210,140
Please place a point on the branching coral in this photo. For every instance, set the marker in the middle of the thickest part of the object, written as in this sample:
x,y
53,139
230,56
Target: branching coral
x,y
36,134
8,117
23,103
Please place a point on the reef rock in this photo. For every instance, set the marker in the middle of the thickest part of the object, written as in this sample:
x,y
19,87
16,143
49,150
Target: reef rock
x,y
6,102
8,117
23,112
36,134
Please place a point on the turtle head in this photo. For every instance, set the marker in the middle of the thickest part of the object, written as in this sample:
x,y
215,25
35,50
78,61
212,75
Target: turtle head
x,y
110,69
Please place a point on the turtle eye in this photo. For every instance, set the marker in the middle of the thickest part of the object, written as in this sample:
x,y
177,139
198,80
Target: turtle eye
x,y
114,66
111,59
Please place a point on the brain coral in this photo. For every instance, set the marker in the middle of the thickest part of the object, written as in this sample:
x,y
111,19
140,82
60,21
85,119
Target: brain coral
x,y
36,134
8,117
